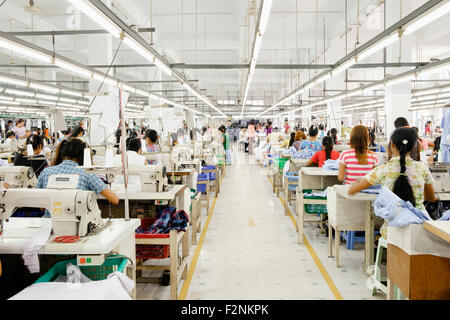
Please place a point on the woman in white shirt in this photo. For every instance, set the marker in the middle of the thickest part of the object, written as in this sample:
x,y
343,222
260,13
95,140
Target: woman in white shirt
x,y
133,154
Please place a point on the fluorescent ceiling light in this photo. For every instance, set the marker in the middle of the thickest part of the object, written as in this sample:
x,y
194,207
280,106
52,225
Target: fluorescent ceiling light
x,y
142,92
73,68
44,87
163,67
46,96
265,13
138,48
342,67
399,80
438,11
97,16
71,92
14,81
19,92
24,50
323,78
377,47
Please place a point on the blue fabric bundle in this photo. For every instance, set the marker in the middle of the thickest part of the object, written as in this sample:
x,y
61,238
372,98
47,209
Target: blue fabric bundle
x,y
396,211
331,165
372,189
303,154
168,219
445,216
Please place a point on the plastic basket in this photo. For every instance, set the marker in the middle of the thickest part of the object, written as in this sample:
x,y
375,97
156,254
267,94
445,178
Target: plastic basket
x,y
292,176
280,162
315,208
212,176
201,188
151,251
208,167
202,177
95,273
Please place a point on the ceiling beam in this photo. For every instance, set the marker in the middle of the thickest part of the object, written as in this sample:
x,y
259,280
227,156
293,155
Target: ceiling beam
x,y
67,32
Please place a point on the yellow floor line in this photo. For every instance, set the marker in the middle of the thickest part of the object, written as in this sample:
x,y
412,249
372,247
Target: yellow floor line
x,y
185,289
313,254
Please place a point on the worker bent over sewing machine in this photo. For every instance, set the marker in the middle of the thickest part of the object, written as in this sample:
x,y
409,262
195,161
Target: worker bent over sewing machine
x,y
18,176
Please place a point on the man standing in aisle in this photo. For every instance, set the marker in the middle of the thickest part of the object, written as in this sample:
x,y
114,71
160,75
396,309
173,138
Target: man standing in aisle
x,y
445,138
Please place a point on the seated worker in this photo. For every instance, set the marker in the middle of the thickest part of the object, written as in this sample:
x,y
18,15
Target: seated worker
x,y
39,164
402,122
435,155
410,180
311,143
10,141
327,153
359,160
299,137
288,142
151,140
133,154
71,153
373,144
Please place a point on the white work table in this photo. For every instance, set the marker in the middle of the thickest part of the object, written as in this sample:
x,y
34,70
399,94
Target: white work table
x,y
311,178
439,228
368,213
19,230
119,237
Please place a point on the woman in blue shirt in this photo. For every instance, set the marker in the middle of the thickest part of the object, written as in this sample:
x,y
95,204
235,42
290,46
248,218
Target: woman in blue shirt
x,y
311,143
68,158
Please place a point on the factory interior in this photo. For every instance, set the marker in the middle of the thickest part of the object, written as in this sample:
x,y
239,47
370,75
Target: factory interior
x,y
225,150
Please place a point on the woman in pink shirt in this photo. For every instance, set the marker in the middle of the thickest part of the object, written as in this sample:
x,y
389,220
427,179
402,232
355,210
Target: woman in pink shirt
x,y
251,136
359,160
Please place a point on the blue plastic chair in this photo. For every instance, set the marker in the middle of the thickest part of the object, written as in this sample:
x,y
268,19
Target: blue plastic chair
x,y
351,238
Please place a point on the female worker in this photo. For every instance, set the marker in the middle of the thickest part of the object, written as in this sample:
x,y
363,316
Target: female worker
x,y
226,144
71,152
311,143
251,137
20,130
298,139
359,160
410,180
151,140
36,161
327,153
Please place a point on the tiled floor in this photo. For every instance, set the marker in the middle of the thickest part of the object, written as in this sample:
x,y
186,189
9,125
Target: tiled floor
x,y
251,251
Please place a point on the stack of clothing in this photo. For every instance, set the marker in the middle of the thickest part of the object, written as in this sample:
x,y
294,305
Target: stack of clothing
x,y
303,154
322,194
331,165
168,219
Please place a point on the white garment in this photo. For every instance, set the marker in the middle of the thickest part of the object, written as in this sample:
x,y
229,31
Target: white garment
x,y
32,247
274,138
134,159
11,144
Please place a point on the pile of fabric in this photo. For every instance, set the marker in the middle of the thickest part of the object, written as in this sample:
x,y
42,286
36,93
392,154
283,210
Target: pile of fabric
x,y
322,194
331,165
168,219
303,154
400,213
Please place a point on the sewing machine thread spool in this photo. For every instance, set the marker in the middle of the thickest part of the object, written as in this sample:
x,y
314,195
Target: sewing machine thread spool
x,y
87,158
30,151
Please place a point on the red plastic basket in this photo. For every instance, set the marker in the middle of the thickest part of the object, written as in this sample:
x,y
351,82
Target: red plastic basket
x,y
151,251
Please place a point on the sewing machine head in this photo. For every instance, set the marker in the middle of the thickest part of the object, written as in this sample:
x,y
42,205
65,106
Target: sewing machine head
x,y
441,175
73,212
181,154
153,177
18,176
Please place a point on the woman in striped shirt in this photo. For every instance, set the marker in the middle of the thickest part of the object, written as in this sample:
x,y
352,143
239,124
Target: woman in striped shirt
x,y
359,160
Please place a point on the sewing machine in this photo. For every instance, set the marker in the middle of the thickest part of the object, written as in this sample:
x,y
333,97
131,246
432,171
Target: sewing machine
x,y
73,212
441,175
153,178
181,153
18,176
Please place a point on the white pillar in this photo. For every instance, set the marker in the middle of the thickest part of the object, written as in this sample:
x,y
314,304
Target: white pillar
x,y
100,52
397,103
334,115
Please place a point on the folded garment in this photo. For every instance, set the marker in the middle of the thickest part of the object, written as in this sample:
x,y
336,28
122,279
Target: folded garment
x,y
303,154
322,194
331,165
168,219
373,189
445,216
396,211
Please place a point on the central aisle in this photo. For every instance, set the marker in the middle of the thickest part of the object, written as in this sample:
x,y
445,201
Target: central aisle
x,y
251,250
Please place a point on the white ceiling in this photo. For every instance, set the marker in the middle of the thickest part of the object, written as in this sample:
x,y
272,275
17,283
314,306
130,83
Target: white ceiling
x,y
220,32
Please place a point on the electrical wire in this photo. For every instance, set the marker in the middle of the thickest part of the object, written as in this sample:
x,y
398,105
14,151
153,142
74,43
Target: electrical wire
x,y
2,3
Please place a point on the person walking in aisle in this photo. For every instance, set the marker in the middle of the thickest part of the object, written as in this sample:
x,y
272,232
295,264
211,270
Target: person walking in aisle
x,y
226,144
251,137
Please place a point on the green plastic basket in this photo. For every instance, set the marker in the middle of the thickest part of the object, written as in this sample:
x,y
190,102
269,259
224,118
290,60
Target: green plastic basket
x,y
111,264
315,208
280,162
220,160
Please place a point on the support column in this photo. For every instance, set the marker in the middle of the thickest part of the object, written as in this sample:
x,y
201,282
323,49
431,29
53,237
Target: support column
x,y
100,52
334,115
397,104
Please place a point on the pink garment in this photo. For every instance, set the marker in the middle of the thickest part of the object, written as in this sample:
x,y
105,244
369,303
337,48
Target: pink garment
x,y
251,131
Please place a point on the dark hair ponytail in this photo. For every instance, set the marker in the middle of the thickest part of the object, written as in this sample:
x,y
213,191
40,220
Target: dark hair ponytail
x,y
404,140
333,133
313,131
36,141
292,139
327,143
